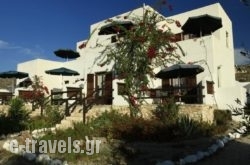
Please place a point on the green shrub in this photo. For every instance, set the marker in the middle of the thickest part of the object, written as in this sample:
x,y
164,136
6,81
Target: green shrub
x,y
17,110
4,126
167,112
222,117
38,122
104,123
53,114
186,126
18,116
16,119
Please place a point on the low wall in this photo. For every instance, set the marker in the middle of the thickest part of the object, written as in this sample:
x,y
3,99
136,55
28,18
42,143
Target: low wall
x,y
197,112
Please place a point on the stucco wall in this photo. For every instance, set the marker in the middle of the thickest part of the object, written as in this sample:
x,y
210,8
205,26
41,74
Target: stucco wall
x,y
198,112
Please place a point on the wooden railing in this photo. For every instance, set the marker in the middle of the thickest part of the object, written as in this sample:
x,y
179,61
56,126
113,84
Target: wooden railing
x,y
188,95
5,97
92,99
56,98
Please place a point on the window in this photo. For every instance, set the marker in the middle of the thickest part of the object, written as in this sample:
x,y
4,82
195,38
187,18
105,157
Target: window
x,y
227,35
100,84
210,87
113,39
121,89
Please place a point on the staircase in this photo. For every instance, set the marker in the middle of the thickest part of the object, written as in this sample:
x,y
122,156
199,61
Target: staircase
x,y
75,116
81,110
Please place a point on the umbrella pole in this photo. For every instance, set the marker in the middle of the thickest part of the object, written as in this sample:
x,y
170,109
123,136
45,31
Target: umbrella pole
x,y
179,80
13,86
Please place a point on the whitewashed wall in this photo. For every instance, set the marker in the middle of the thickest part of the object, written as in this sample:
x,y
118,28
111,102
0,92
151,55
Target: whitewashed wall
x,y
212,52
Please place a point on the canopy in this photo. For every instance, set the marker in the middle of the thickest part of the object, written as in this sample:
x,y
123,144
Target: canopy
x,y
180,70
202,25
62,71
13,74
67,53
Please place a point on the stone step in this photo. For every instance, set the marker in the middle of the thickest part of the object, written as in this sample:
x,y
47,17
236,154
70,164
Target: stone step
x,y
76,115
37,112
74,118
64,124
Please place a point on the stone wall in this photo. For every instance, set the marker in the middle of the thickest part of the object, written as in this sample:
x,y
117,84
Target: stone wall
x,y
198,112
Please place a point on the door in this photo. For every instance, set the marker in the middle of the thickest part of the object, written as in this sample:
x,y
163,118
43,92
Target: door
x,y
90,87
103,88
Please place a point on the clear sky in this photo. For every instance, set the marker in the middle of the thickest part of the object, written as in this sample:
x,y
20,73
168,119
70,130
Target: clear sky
x,y
31,29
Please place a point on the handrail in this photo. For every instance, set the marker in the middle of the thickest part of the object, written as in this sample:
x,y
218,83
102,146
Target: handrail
x,y
176,92
75,95
87,104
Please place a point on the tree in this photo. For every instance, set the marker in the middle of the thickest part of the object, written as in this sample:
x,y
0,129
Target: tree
x,y
138,51
38,94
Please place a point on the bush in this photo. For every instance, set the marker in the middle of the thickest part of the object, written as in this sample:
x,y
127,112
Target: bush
x,y
167,112
222,117
38,122
16,119
17,110
104,123
4,126
53,114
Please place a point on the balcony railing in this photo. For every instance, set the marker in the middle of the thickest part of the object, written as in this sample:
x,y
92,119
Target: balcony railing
x,y
188,95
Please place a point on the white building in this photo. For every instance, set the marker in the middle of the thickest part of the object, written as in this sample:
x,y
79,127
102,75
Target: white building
x,y
214,52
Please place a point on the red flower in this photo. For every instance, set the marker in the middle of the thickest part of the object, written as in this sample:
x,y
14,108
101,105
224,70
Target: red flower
x,y
141,23
132,100
151,52
160,31
178,24
141,39
83,45
46,89
170,49
117,29
172,39
144,87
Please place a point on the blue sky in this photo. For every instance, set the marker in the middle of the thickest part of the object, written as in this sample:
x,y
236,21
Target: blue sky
x,y
31,29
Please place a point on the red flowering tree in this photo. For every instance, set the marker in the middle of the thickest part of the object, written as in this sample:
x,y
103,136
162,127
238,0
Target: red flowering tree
x,y
138,51
38,93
